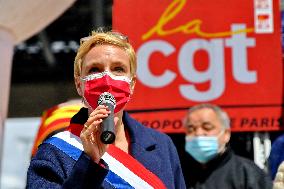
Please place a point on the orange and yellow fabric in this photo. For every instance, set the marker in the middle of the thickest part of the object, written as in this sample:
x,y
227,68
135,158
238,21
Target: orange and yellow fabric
x,y
54,120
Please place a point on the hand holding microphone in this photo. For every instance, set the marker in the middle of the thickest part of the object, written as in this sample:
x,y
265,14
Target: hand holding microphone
x,y
108,131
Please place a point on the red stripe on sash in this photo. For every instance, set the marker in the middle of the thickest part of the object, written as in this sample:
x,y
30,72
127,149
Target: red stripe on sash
x,y
135,166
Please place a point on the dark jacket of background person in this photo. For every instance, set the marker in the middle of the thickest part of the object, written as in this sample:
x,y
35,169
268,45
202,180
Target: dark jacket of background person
x,y
226,171
278,182
51,168
276,156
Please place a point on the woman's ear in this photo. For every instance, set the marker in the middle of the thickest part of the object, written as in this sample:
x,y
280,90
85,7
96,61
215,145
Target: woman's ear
x,y
78,85
132,84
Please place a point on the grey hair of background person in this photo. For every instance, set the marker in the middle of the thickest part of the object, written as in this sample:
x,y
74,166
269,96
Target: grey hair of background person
x,y
222,115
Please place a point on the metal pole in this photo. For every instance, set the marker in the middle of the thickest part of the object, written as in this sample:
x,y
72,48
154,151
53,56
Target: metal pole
x,y
49,57
98,13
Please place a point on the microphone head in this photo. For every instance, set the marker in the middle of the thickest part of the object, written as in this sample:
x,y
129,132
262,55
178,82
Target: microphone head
x,y
106,98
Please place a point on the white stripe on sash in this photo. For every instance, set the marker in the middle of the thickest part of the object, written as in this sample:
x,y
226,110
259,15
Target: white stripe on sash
x,y
122,171
70,138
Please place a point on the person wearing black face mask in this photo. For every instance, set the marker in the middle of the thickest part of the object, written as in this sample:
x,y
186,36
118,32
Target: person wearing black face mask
x,y
139,157
208,162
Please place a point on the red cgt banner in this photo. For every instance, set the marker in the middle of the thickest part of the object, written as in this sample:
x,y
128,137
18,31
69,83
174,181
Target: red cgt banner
x,y
189,52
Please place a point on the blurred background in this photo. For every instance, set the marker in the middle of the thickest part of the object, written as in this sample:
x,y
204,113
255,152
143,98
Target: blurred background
x,y
42,76
43,65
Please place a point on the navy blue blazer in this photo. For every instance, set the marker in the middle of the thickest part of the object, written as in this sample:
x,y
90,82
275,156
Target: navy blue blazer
x,y
51,168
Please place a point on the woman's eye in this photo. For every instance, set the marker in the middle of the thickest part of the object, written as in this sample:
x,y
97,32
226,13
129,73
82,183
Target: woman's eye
x,y
94,70
119,70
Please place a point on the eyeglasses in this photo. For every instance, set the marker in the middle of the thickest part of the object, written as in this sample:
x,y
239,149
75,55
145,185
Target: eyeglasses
x,y
117,35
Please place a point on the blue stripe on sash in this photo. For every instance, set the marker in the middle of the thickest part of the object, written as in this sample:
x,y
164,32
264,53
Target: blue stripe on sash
x,y
116,181
67,148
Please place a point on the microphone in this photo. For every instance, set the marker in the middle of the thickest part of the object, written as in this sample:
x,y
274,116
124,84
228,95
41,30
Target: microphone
x,y
108,132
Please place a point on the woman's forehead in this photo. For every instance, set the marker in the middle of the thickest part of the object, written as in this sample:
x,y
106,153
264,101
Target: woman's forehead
x,y
103,53
106,49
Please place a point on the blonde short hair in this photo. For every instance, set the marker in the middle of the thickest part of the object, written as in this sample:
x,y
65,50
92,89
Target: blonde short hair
x,y
99,38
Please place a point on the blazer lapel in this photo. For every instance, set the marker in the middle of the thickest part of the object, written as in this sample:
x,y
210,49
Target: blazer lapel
x,y
143,145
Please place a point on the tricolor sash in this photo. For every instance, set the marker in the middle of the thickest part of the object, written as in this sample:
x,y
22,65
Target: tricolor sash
x,y
124,170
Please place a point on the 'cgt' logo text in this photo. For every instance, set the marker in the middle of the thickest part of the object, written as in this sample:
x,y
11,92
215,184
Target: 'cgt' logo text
x,y
213,44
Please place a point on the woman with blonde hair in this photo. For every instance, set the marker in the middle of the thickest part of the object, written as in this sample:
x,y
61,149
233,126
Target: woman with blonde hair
x,y
137,157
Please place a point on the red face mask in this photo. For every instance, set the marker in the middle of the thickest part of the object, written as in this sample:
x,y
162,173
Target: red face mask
x,y
96,84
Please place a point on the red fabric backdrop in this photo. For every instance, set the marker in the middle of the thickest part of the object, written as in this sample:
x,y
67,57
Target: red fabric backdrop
x,y
222,52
